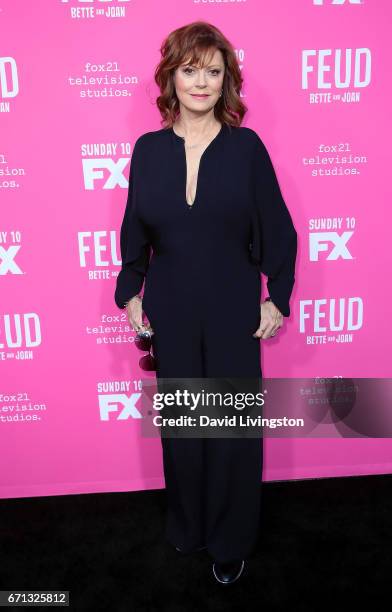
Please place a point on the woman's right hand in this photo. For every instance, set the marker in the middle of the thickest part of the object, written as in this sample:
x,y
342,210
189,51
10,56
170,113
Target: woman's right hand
x,y
135,315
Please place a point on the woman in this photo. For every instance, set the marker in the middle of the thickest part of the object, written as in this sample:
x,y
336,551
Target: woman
x,y
204,217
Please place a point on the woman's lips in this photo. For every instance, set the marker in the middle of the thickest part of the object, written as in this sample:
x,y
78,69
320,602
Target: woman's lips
x,y
200,96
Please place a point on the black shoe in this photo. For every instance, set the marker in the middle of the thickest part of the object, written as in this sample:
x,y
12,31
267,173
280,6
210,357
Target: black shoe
x,y
229,572
198,549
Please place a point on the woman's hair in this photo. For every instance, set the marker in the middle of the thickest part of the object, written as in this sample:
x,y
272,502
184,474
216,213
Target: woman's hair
x,y
195,43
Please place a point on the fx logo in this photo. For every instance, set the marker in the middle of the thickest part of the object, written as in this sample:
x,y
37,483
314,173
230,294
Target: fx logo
x,y
93,170
120,404
7,260
320,242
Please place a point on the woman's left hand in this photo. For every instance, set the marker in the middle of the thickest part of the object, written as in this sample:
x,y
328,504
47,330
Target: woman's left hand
x,y
271,320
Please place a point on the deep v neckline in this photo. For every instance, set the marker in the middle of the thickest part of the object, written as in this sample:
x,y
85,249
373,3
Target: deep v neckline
x,y
185,183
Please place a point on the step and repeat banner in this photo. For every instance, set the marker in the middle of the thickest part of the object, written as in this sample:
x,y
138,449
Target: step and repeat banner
x,y
76,91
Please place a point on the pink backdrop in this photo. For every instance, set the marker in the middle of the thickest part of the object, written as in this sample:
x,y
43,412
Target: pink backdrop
x,y
317,84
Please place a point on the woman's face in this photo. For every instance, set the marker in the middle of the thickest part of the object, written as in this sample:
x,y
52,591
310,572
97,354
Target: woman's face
x,y
207,82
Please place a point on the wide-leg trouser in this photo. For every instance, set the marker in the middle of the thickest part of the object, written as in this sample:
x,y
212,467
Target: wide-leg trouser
x,y
213,485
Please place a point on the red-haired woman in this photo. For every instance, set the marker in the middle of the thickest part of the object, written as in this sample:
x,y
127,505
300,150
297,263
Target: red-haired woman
x,y
204,216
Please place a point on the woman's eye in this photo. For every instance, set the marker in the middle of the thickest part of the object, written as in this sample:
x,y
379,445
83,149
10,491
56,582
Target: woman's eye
x,y
214,71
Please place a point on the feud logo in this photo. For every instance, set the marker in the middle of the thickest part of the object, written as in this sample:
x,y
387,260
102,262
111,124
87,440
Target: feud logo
x,y
331,314
18,330
340,68
91,1
98,249
9,82
324,2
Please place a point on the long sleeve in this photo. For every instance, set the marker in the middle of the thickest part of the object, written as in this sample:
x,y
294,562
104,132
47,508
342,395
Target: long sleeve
x,y
274,239
134,244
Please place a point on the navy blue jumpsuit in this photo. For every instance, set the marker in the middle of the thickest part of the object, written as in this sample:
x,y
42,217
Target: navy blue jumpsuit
x,y
201,267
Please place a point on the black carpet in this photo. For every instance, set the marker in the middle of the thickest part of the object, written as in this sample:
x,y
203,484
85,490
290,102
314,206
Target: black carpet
x,y
323,542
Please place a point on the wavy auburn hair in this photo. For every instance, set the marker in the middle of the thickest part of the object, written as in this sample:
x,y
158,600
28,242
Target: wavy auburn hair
x,y
195,44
